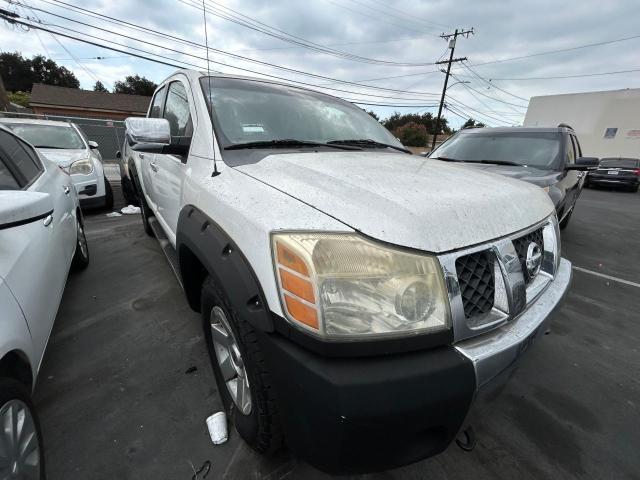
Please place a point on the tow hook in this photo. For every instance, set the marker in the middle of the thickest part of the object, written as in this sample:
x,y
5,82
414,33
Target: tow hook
x,y
466,439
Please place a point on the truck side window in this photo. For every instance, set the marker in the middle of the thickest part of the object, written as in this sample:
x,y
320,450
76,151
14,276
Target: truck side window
x,y
156,104
7,180
571,153
20,159
176,111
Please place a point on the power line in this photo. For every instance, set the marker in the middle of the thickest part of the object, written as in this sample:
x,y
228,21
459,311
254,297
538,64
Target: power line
x,y
562,50
566,76
374,17
15,20
471,89
387,13
240,57
409,16
241,19
488,82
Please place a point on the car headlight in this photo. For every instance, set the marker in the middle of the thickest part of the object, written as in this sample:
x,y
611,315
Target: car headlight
x,y
345,287
81,167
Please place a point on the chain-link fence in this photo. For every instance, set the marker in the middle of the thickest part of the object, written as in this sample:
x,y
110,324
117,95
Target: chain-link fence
x,y
108,134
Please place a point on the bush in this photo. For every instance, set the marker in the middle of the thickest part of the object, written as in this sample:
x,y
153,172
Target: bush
x,y
412,134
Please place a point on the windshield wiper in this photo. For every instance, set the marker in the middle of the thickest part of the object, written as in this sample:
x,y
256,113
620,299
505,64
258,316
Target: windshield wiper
x,y
501,162
49,146
448,159
367,142
286,142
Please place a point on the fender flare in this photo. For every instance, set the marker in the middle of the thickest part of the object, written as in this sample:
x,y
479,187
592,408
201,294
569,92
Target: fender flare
x,y
200,237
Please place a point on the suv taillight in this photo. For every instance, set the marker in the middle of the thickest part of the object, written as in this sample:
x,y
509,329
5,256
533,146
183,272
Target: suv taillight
x,y
637,171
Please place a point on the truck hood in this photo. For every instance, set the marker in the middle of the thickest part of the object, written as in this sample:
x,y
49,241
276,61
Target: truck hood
x,y
64,158
406,200
537,176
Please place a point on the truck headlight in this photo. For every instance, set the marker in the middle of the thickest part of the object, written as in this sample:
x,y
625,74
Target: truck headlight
x,y
81,167
345,287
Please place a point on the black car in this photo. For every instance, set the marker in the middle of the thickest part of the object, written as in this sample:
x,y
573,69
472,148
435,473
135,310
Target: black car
x,y
616,172
548,157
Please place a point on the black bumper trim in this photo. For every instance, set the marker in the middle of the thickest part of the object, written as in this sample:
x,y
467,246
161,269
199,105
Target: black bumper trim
x,y
356,415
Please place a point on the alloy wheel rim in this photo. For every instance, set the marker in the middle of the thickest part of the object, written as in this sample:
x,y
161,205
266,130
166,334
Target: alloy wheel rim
x,y
230,362
19,449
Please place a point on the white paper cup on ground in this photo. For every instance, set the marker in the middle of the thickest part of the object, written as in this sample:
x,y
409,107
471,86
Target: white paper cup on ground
x,y
217,425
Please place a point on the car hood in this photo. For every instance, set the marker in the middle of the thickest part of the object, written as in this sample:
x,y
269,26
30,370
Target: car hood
x,y
64,158
406,200
537,176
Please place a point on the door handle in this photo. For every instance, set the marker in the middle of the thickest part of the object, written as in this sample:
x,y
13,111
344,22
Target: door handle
x,y
153,166
66,189
47,220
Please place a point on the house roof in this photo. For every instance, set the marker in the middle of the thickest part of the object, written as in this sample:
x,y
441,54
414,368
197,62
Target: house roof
x,y
49,95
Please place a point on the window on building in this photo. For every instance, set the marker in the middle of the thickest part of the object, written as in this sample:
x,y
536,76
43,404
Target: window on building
x,y
610,132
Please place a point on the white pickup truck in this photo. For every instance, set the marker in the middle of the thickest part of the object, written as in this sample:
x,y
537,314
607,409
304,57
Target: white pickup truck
x,y
355,298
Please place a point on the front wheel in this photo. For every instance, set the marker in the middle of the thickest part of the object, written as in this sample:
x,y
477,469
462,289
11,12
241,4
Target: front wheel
x,y
21,451
81,257
244,383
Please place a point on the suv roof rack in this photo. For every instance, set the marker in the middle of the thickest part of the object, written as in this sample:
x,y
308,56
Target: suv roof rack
x,y
565,125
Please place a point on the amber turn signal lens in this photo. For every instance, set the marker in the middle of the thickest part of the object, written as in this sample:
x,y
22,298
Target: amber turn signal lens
x,y
298,286
289,259
301,312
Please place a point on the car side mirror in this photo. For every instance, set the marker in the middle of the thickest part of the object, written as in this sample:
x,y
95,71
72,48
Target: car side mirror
x,y
92,145
584,163
18,207
118,154
149,135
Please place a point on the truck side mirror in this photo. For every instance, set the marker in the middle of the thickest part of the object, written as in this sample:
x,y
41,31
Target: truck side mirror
x,y
584,163
92,145
149,135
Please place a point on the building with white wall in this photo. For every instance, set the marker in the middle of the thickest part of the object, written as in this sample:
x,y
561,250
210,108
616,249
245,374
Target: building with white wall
x,y
607,123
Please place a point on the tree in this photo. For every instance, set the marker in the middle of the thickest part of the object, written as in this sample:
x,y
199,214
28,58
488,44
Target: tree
x,y
397,120
472,123
19,98
99,87
373,114
20,73
412,134
135,85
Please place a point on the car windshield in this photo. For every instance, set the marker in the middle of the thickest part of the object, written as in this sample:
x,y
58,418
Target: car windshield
x,y
620,162
48,136
533,149
253,111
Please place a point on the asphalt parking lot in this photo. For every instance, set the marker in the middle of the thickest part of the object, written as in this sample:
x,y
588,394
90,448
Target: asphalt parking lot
x,y
119,397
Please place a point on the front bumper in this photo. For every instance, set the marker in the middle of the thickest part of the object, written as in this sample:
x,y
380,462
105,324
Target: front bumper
x,y
352,415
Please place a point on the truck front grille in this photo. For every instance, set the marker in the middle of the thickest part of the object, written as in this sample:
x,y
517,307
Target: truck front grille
x,y
521,245
477,285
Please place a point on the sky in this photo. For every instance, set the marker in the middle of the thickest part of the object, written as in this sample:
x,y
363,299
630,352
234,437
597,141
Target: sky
x,y
384,35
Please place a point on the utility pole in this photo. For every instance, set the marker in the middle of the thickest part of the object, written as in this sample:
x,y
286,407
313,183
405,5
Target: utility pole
x,y
451,37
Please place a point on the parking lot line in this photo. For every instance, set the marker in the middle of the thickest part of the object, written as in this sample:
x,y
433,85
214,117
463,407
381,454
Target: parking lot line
x,y
608,277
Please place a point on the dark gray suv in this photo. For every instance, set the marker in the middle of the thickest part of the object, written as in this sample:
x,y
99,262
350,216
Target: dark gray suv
x,y
548,157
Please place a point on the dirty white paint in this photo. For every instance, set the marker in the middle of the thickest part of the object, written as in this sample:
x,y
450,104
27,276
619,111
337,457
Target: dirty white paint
x,y
406,200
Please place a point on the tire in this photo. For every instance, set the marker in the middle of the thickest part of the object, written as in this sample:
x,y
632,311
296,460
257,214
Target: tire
x,y
81,256
565,220
260,427
128,191
15,399
634,189
145,213
108,195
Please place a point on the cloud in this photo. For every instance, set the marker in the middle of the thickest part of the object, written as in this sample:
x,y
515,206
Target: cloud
x,y
400,31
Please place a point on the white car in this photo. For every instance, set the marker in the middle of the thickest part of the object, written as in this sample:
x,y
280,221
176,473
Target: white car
x,y
66,144
41,236
355,298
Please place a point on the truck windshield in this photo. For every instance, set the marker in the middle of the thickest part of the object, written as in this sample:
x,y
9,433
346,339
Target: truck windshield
x,y
48,136
248,111
533,149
